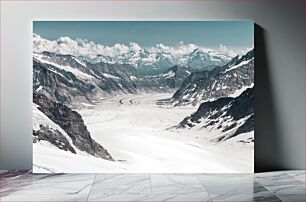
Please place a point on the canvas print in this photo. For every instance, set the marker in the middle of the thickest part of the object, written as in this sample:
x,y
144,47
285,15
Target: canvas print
x,y
143,96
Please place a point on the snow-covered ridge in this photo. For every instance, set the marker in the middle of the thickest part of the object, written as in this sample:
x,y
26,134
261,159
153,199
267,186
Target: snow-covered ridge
x,y
239,65
79,61
238,92
229,80
169,74
110,76
226,118
75,71
196,59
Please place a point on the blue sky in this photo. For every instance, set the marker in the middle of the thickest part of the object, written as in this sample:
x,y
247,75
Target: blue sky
x,y
210,34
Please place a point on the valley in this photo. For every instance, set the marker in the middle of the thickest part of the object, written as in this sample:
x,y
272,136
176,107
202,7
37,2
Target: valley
x,y
139,135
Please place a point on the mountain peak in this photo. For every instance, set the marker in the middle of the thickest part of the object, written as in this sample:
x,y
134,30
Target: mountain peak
x,y
196,51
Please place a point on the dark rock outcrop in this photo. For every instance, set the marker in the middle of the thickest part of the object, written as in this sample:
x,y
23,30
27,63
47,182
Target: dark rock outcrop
x,y
62,86
248,126
52,136
224,114
72,123
169,80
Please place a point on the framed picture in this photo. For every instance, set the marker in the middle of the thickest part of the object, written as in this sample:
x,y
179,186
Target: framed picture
x,y
143,96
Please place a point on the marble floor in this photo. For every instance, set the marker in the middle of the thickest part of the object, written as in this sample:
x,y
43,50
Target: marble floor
x,y
271,186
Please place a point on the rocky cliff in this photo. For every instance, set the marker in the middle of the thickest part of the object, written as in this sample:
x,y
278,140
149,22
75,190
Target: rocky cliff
x,y
72,123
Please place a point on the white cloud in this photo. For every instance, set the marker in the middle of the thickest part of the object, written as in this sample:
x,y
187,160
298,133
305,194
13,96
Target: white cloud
x,y
224,50
79,47
233,52
135,47
83,47
177,51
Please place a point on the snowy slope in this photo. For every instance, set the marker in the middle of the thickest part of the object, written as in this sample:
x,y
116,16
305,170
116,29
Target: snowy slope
x,y
143,140
226,81
227,117
49,159
64,128
41,120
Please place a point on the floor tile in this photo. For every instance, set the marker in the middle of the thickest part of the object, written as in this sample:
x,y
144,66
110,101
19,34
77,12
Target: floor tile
x,y
225,178
14,180
14,173
277,175
23,186
298,175
282,183
271,172
3,171
120,184
150,198
179,198
287,189
176,184
245,198
292,197
43,198
232,184
48,184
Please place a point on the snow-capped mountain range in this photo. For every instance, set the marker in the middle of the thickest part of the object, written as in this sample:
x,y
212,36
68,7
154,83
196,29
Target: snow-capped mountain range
x,y
225,96
72,81
229,80
148,61
76,82
69,79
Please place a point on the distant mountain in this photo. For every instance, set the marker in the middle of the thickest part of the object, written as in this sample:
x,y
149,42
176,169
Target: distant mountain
x,y
72,81
176,75
145,62
199,60
169,80
63,128
76,82
148,63
229,116
225,81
